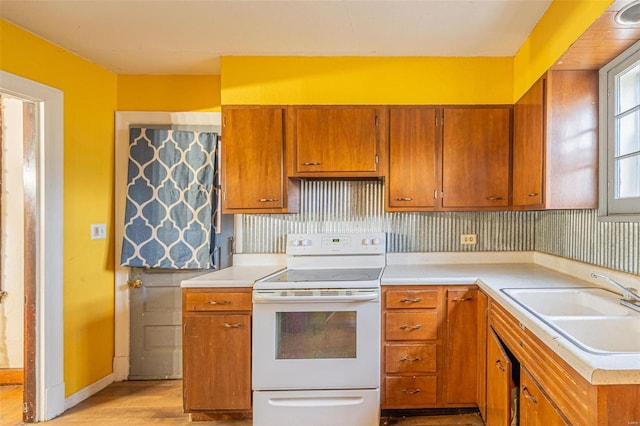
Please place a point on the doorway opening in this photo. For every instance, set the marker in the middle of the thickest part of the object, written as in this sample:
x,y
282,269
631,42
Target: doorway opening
x,y
37,119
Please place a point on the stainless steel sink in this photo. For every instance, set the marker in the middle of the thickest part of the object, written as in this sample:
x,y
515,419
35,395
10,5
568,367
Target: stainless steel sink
x,y
591,318
569,301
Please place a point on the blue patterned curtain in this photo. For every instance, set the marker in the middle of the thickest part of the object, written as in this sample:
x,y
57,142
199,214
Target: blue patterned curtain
x,y
171,195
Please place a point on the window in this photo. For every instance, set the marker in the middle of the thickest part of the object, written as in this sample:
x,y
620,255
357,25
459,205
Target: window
x,y
620,137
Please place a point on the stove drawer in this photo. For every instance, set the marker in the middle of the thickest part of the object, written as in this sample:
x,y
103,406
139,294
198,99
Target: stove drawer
x,y
412,299
410,358
217,301
411,392
411,325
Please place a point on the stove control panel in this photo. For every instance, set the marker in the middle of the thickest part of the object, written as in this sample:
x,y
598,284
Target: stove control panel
x,y
328,244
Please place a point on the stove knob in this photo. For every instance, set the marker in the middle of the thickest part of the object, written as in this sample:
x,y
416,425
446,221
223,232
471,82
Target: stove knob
x,y
295,243
366,242
306,242
375,241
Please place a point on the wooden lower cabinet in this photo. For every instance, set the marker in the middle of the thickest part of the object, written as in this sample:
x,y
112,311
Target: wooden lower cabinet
x,y
551,392
499,383
217,353
430,347
535,408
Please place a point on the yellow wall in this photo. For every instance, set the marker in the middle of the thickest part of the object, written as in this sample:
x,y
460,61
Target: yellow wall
x,y
169,93
89,103
366,80
561,25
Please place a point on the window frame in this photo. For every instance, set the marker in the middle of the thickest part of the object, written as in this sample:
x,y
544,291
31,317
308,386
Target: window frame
x,y
610,209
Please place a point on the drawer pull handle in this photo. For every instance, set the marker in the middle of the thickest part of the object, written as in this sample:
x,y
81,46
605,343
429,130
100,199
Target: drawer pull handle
x,y
236,325
416,300
408,327
267,200
494,198
404,199
499,365
527,394
411,391
533,194
407,359
222,302
311,163
463,299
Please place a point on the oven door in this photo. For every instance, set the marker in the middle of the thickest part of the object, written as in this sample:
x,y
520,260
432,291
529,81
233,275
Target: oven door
x,y
316,339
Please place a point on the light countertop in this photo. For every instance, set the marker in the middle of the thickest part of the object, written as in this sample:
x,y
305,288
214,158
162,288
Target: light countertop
x,y
598,369
233,276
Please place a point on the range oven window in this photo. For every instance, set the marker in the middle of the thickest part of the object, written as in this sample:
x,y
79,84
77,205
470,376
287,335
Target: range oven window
x,y
315,335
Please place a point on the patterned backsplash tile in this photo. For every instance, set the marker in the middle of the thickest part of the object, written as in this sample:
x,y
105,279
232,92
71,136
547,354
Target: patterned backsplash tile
x,y
354,206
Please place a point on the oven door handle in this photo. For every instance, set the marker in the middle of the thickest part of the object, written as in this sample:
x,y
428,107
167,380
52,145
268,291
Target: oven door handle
x,y
267,298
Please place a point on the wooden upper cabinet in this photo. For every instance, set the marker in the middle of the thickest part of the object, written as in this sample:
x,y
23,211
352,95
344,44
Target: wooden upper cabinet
x,y
335,141
475,160
528,146
555,145
412,176
253,159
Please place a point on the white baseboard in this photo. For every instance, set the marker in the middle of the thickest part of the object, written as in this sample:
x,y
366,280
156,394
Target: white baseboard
x,y
54,403
120,368
85,393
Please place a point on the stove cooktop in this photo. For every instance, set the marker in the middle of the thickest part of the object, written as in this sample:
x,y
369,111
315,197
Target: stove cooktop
x,y
312,275
322,278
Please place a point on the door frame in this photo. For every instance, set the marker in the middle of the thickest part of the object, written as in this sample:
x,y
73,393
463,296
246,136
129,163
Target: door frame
x,y
44,355
125,119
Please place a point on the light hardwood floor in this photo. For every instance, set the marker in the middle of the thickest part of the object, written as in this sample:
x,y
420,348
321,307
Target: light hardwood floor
x,y
160,402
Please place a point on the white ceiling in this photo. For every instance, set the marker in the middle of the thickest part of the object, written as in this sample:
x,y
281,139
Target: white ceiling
x,y
189,36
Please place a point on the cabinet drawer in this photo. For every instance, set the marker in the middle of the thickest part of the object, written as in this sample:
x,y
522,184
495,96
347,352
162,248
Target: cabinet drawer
x,y
410,299
411,325
410,392
410,358
218,301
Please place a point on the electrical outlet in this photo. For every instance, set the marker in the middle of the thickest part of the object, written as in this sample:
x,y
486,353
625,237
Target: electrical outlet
x,y
98,231
468,239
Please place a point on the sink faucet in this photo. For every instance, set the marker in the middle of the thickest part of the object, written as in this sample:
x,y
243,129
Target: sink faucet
x,y
629,296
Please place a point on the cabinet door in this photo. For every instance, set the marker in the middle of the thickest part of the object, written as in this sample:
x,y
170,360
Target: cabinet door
x,y
336,140
528,146
253,158
217,362
476,157
412,180
499,383
462,346
535,408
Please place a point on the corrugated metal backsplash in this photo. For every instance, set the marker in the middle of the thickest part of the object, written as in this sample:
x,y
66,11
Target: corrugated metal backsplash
x,y
358,206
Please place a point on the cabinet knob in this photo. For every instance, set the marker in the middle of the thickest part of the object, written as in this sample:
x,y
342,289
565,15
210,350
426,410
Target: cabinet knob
x,y
267,200
407,359
527,394
404,199
499,365
416,300
408,327
462,299
494,198
533,194
221,302
311,163
236,325
411,391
